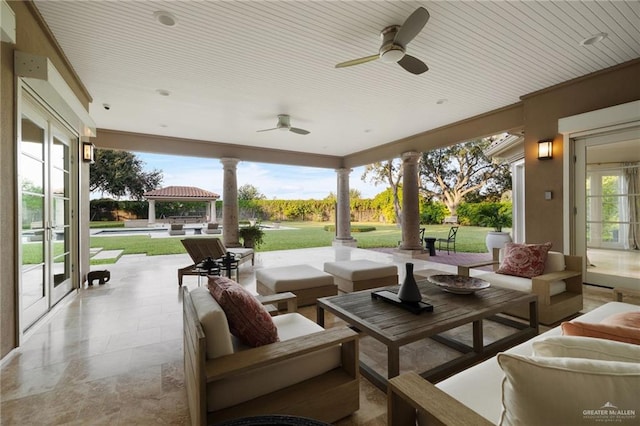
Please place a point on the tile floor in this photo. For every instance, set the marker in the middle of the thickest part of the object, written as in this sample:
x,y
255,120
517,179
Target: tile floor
x,y
112,354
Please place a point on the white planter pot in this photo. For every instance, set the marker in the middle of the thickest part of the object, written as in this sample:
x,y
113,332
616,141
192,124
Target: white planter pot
x,y
497,240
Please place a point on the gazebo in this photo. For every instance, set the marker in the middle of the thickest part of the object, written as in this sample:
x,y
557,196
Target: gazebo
x,y
181,193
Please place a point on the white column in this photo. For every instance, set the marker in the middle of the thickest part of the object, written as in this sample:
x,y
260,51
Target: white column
x,y
212,211
343,211
230,203
152,212
410,204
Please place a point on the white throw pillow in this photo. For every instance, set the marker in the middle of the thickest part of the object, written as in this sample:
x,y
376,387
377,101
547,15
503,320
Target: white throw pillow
x,y
214,323
568,391
586,347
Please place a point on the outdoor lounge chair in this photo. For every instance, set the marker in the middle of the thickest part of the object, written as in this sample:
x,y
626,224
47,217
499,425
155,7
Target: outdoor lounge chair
x,y
200,249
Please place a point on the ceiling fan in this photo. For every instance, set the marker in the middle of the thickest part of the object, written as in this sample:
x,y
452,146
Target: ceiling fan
x,y
394,43
284,124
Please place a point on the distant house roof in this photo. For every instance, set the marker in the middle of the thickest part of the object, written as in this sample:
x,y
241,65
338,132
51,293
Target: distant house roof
x,y
189,193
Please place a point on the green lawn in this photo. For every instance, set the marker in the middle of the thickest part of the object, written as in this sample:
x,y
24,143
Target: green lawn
x,y
305,235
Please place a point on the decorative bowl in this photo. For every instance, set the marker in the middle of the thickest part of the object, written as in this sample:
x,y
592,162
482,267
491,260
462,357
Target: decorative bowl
x,y
458,284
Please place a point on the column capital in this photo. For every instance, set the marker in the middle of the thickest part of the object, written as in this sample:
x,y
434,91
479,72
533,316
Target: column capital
x,y
344,171
229,162
411,156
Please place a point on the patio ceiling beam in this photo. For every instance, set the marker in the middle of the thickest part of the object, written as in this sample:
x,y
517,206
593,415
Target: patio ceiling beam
x,y
140,142
507,119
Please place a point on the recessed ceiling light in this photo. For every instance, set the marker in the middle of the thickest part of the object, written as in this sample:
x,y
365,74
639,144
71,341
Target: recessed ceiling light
x,y
163,92
593,39
163,125
368,130
165,18
441,101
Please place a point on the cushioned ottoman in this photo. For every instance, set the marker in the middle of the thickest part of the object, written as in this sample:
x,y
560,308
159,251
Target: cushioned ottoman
x,y
356,275
306,282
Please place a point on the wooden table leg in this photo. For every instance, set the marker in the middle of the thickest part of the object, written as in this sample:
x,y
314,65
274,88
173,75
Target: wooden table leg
x,y
393,361
478,339
319,315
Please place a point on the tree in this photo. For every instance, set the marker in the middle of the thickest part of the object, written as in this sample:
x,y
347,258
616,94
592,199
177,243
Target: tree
x,y
354,194
451,173
120,174
389,173
249,192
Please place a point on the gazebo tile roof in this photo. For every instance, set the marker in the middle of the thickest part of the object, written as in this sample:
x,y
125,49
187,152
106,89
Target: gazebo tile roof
x,y
181,192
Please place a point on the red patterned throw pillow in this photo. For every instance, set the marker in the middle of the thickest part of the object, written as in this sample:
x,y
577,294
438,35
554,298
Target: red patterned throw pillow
x,y
524,260
248,319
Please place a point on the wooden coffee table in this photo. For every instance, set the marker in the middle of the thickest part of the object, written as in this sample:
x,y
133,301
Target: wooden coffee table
x,y
396,327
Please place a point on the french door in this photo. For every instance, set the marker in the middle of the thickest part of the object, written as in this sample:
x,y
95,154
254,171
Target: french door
x,y
45,190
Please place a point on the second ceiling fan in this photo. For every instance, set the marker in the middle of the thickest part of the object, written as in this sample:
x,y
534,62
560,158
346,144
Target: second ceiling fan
x,y
394,43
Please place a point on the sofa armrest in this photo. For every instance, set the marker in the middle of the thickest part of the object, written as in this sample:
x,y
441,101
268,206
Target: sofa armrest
x,y
540,285
465,269
409,393
241,362
275,299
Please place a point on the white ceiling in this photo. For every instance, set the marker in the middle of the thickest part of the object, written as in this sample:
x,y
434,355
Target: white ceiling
x,y
232,66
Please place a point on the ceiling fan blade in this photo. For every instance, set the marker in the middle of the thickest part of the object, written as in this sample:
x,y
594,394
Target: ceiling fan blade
x,y
266,130
413,64
299,131
412,26
358,61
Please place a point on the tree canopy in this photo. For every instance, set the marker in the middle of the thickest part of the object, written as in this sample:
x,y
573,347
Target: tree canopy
x,y
121,174
249,192
453,172
387,173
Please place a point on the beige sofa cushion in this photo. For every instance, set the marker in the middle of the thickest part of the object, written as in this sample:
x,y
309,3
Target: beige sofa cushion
x,y
521,284
244,387
293,277
214,323
358,270
586,347
565,391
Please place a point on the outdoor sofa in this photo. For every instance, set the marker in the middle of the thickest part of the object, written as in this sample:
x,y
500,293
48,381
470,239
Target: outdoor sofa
x,y
568,391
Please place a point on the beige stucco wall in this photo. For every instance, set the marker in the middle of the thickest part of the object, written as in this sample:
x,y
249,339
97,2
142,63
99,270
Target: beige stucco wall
x,y
542,110
31,37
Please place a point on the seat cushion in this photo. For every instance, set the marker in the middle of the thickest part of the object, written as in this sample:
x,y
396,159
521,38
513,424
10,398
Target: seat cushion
x,y
524,260
518,283
248,319
262,381
586,347
294,277
356,270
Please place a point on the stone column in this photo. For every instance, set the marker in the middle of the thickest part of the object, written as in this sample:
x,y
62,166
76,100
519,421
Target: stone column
x,y
212,211
410,203
343,211
230,203
152,212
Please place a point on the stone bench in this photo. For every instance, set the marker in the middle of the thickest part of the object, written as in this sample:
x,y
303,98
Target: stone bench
x,y
306,282
356,275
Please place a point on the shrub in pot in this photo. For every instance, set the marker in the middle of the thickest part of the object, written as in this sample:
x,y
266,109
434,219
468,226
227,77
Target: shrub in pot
x,y
252,235
496,216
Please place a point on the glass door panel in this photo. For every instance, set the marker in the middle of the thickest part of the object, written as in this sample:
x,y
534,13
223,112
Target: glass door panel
x,y
60,217
34,289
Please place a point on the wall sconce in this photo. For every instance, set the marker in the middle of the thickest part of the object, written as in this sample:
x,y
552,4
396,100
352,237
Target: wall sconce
x,y
87,152
545,149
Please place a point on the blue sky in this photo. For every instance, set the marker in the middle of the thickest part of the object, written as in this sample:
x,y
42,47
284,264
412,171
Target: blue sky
x,y
274,181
